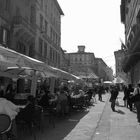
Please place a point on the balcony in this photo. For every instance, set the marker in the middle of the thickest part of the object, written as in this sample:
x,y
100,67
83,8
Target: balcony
x,y
22,28
133,53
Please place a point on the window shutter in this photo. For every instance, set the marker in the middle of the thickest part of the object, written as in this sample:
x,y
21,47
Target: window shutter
x,y
1,35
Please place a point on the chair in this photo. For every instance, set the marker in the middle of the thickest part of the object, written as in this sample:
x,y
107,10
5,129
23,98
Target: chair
x,y
27,120
5,125
38,117
50,112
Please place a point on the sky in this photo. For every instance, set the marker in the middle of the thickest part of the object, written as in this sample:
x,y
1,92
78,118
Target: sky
x,y
93,23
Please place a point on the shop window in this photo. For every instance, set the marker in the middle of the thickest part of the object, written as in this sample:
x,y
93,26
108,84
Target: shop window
x,y
46,8
40,46
138,17
128,1
51,53
21,48
7,5
33,15
4,36
41,3
45,50
41,22
46,26
31,50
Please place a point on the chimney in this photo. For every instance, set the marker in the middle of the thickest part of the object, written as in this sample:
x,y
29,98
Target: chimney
x,y
81,48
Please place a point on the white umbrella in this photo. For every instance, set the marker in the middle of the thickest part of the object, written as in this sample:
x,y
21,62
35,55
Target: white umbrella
x,y
107,82
11,58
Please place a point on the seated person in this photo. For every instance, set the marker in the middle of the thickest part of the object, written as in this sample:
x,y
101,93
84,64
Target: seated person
x,y
90,93
81,92
8,108
27,113
62,102
44,100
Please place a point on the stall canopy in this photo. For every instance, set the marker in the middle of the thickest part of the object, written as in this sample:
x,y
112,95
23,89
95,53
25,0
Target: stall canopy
x,y
89,76
10,58
65,75
13,62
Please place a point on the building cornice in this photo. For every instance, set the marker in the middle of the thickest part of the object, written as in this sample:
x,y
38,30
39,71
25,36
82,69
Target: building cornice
x,y
59,8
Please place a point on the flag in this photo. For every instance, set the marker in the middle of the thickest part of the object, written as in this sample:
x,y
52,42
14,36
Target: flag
x,y
123,46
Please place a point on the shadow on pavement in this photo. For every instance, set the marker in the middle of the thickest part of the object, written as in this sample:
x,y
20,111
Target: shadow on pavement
x,y
120,105
63,126
120,112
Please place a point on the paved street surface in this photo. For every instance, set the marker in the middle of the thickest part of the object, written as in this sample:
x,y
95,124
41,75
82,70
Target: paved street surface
x,y
95,123
120,125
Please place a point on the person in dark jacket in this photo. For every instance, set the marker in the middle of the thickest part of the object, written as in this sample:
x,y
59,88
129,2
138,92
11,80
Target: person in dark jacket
x,y
129,93
100,92
27,113
125,95
90,93
44,101
114,93
137,100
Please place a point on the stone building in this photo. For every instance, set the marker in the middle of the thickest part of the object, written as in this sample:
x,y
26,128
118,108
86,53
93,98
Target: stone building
x,y
33,28
130,17
103,71
64,61
119,57
81,62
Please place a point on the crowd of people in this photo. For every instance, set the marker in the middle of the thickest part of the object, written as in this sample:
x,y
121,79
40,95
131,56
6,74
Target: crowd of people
x,y
131,97
63,99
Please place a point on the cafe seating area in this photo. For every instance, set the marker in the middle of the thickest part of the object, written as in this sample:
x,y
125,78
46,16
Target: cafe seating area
x,y
22,76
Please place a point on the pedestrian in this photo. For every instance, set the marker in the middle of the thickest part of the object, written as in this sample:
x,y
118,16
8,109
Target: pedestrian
x,y
129,93
89,93
136,96
125,95
114,93
100,92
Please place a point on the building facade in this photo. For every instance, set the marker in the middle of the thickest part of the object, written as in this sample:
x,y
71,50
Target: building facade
x,y
119,57
81,62
64,61
130,17
103,71
32,28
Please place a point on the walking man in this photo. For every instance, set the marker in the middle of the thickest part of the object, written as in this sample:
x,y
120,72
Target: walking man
x,y
114,93
137,100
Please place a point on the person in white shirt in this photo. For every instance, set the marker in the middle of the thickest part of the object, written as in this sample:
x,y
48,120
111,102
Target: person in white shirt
x,y
10,109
